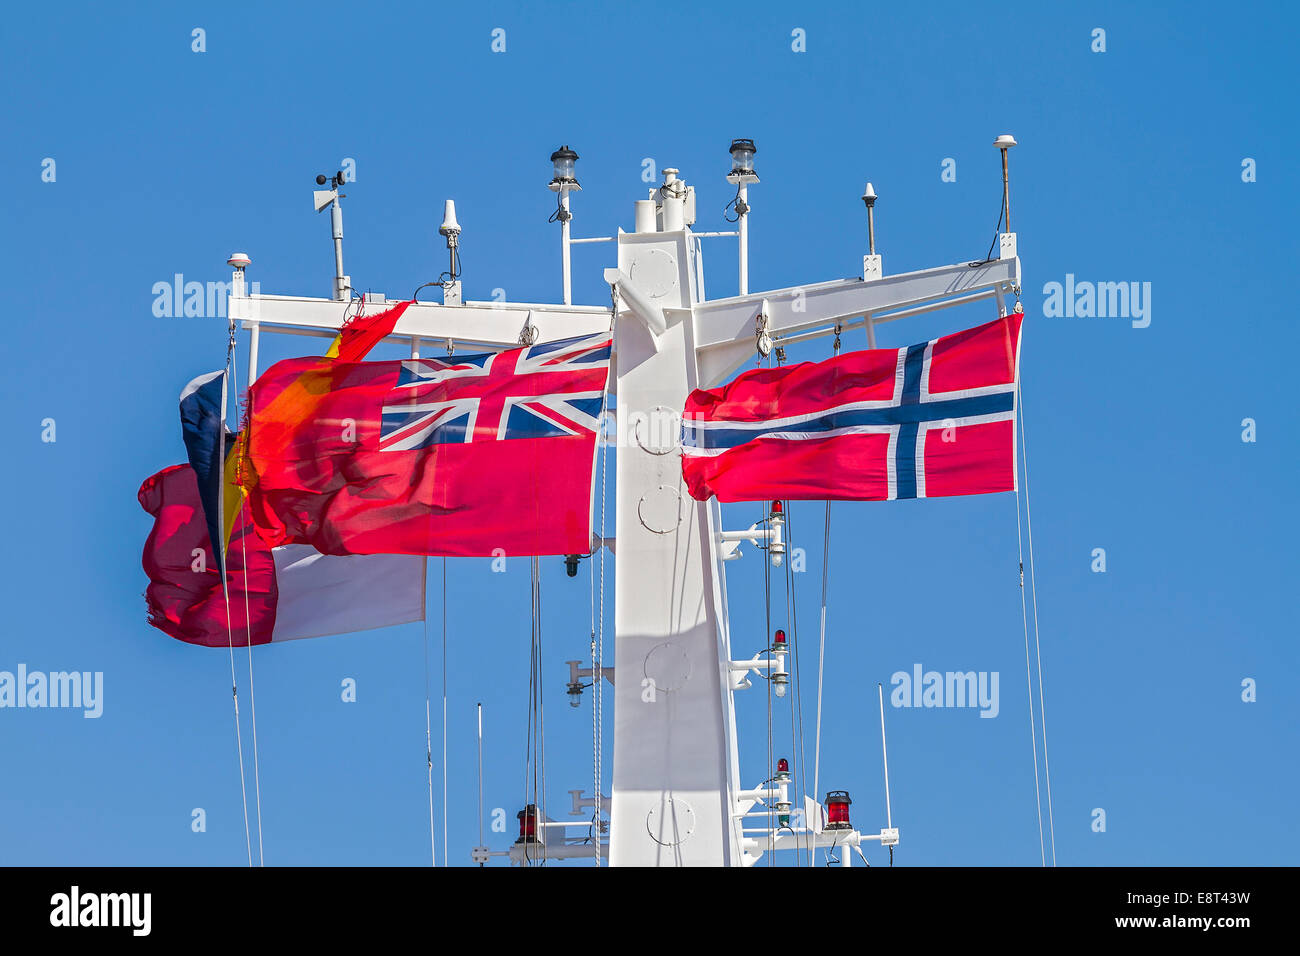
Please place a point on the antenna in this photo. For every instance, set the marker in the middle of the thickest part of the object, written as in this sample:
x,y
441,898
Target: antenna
x,y
239,261
450,230
884,752
330,197
480,855
1004,143
869,197
872,266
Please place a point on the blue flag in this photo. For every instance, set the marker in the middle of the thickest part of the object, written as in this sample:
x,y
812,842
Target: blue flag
x,y
207,442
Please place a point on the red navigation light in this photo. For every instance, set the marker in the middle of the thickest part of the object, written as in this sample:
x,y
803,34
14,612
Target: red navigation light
x,y
776,507
779,637
528,824
837,810
783,766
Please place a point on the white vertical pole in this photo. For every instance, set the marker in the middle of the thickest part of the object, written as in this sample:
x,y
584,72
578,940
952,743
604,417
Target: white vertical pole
x,y
871,332
336,227
564,245
889,813
675,769
415,346
480,775
239,290
743,196
254,338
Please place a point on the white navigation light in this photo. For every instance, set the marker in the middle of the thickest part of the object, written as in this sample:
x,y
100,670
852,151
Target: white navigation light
x,y
239,260
776,544
565,162
742,157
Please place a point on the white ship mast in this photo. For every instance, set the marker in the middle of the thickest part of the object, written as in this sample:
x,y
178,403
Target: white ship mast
x,y
679,796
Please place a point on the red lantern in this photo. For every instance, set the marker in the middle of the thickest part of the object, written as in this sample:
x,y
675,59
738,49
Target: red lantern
x,y
837,810
779,637
528,824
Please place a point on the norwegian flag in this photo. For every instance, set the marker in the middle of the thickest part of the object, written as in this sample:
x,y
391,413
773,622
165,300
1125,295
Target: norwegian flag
x,y
925,421
523,393
473,455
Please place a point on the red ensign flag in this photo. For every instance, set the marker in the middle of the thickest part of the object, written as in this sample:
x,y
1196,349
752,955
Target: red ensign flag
x,y
472,455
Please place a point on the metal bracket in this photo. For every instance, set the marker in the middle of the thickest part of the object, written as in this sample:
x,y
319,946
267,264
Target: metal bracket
x,y
762,337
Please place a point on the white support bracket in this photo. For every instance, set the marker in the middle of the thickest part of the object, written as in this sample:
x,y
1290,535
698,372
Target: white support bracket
x,y
724,326
645,311
774,663
730,541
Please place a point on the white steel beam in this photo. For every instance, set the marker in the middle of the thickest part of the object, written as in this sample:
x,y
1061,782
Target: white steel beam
x,y
725,328
493,324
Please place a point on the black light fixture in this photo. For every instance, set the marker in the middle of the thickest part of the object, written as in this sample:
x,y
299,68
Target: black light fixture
x,y
565,161
574,690
742,157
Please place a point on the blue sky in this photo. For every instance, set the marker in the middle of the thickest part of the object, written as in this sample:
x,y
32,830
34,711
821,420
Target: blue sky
x,y
1129,169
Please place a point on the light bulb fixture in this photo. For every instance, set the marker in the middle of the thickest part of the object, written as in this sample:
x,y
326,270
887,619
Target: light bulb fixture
x,y
742,162
837,810
564,161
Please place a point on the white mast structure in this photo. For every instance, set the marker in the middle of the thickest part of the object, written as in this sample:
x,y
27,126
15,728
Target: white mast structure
x,y
679,797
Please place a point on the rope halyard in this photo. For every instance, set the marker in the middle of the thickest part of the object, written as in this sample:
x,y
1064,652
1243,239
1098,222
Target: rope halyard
x,y
771,766
821,643
445,844
225,592
248,622
796,697
821,657
1029,682
428,737
535,752
1033,590
598,627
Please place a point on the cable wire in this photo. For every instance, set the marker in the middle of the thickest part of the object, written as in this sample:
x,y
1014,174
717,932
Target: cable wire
x,y
1038,651
225,592
1033,731
248,623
